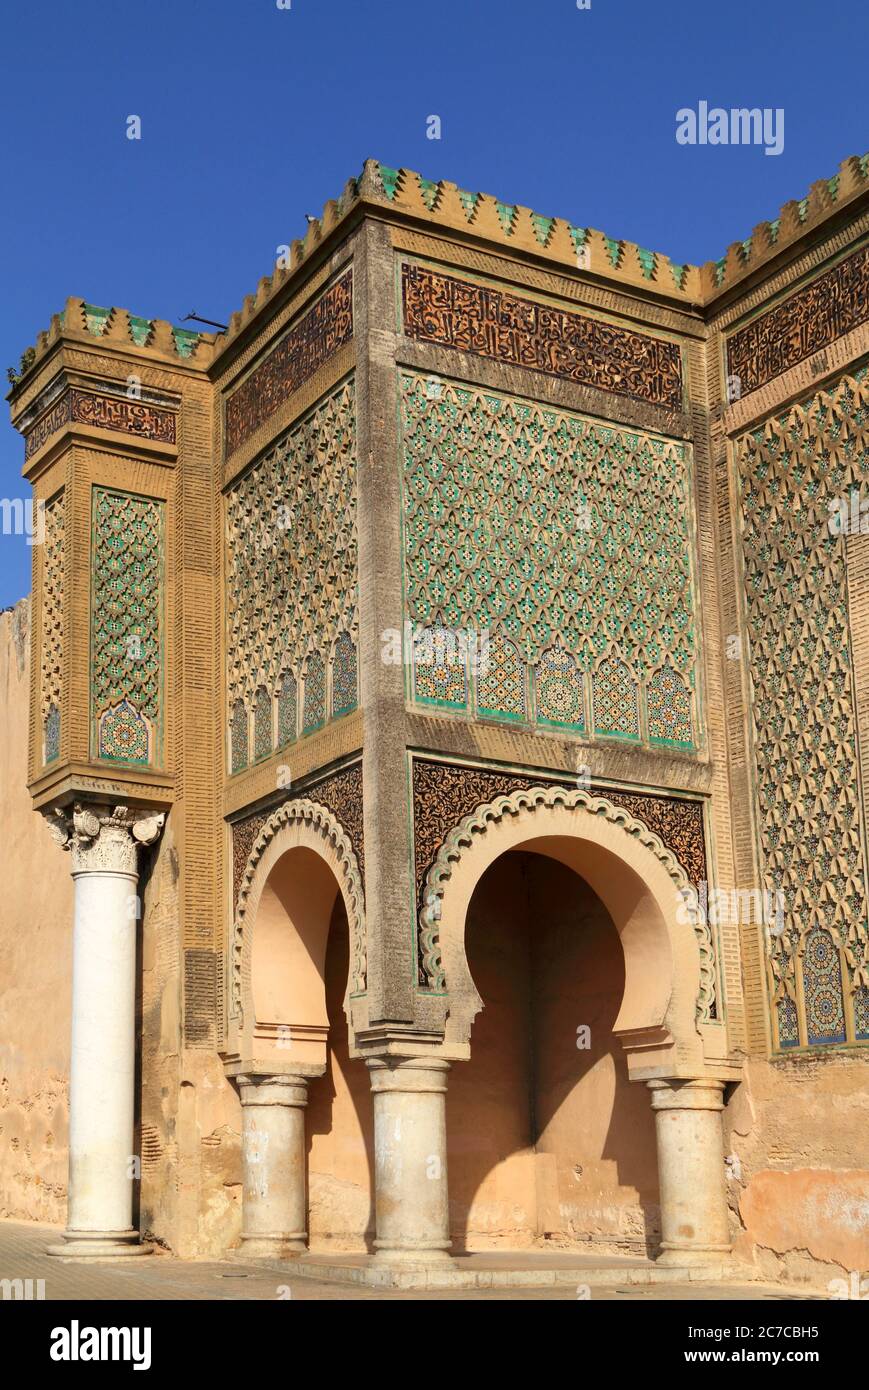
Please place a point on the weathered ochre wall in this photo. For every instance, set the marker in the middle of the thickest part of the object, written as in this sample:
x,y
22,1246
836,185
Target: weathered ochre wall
x,y
35,963
190,1128
547,1139
799,1130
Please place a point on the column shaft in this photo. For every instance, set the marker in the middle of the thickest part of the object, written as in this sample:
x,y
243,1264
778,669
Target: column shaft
x,y
102,1061
102,1164
410,1160
275,1203
694,1218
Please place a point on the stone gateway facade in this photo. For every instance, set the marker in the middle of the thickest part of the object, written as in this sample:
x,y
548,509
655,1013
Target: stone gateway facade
x,y
448,689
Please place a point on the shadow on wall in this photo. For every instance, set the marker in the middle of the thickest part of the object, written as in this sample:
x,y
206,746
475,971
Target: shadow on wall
x,y
548,1139
340,1121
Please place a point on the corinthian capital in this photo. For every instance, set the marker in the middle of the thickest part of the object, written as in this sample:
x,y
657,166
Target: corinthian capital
x,y
101,840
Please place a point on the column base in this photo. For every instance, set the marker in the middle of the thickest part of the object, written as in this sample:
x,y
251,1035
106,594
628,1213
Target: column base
x,y
414,1255
693,1255
99,1245
287,1246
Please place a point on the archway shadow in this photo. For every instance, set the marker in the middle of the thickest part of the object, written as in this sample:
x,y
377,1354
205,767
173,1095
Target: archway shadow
x,y
547,1137
340,1120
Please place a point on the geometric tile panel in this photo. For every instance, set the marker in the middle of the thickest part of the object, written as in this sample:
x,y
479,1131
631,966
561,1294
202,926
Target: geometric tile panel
x,y
292,576
788,1022
560,549
262,725
239,751
669,701
501,689
615,700
123,734
314,707
861,1012
822,986
559,691
126,627
52,626
440,667
287,702
344,675
792,471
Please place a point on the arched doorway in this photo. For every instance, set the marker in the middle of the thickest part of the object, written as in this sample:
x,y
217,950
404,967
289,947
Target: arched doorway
x,y
668,1019
547,1138
299,944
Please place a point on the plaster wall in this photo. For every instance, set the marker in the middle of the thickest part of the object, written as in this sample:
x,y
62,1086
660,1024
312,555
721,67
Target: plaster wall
x,y
799,1130
35,964
189,1131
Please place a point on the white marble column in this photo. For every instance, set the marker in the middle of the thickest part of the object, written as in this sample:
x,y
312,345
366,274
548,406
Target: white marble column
x,y
102,1164
410,1160
694,1220
274,1200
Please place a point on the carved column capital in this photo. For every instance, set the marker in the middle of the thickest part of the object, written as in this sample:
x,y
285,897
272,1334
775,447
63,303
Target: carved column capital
x,y
103,841
273,1090
413,1075
704,1093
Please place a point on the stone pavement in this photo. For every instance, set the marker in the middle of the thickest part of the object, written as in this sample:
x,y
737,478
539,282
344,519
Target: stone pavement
x,y
162,1277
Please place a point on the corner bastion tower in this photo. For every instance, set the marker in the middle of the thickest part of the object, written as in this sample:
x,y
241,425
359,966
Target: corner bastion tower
x,y
450,687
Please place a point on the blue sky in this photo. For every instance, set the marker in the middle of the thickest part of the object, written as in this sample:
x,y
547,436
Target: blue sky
x,y
253,116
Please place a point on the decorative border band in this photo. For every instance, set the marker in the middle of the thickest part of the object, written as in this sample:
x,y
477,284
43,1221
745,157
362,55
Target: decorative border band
x,y
316,336
492,323
126,415
805,322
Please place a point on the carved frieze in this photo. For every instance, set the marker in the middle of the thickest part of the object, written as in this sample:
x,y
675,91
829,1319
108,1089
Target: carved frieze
x,y
801,325
445,792
492,323
125,414
326,327
54,420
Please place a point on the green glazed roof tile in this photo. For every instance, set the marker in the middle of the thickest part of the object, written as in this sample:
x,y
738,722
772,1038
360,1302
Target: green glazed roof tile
x,y
140,330
389,179
185,341
96,318
647,262
506,213
429,191
542,227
